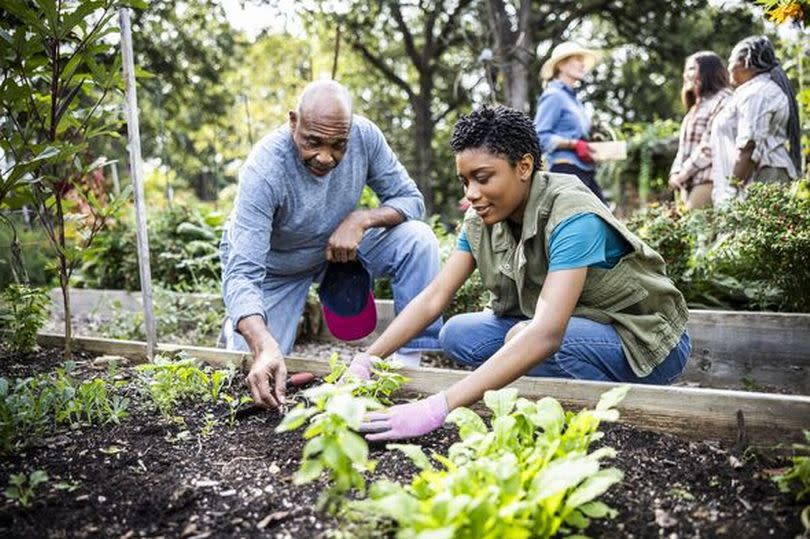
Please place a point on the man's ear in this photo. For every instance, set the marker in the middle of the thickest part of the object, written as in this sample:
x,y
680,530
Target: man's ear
x,y
293,120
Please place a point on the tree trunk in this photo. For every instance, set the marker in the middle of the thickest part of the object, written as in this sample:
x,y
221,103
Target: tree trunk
x,y
64,274
423,129
513,51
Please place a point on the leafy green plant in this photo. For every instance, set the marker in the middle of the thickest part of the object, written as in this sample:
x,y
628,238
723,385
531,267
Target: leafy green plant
x,y
333,446
31,408
384,381
59,70
529,475
21,488
169,382
184,247
754,253
797,478
23,312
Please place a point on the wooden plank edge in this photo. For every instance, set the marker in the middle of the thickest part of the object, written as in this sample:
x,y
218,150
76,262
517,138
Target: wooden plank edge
x,y
694,413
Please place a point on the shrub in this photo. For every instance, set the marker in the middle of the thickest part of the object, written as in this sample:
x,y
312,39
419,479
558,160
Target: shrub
x,y
183,245
23,312
753,253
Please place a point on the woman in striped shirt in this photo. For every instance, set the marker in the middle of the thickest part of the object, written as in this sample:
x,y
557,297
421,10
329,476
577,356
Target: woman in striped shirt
x,y
705,90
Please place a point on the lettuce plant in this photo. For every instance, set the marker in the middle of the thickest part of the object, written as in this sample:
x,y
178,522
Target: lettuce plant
x,y
528,475
332,445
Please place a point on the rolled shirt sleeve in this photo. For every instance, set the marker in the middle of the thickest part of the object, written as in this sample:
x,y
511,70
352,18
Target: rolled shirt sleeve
x,y
389,179
246,244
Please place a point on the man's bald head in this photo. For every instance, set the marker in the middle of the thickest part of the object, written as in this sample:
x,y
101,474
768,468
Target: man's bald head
x,y
325,98
321,125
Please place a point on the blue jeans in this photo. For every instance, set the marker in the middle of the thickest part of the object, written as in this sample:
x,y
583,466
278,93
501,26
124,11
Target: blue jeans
x,y
589,351
407,253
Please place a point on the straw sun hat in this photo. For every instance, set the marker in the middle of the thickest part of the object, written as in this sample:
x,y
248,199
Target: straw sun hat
x,y
563,51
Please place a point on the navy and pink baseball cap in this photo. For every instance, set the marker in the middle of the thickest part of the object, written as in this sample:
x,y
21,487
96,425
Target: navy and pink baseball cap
x,y
347,299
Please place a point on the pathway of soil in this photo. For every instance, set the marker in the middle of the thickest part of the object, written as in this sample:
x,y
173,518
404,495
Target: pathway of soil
x,y
148,478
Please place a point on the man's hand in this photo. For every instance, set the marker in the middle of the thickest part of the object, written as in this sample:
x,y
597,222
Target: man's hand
x,y
406,420
267,378
344,241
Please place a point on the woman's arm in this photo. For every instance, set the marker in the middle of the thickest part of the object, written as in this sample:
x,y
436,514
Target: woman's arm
x,y
540,339
427,306
744,164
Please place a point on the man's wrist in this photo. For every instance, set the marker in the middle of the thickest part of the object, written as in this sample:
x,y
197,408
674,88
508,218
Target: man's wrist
x,y
362,219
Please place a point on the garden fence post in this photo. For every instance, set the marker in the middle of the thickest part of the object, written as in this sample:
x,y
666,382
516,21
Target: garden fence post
x,y
136,171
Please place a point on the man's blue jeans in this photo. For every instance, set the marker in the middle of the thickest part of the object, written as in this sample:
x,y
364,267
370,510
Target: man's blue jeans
x,y
407,253
589,351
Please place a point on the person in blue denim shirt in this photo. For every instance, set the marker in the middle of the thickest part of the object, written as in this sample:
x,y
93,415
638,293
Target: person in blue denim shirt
x,y
561,121
296,209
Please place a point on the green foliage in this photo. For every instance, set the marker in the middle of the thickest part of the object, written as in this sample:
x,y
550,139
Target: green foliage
x,y
529,475
23,312
183,245
753,253
21,488
31,408
34,257
59,69
333,446
169,382
179,318
797,478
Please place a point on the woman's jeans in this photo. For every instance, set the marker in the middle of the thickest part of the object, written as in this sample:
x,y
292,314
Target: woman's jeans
x,y
589,351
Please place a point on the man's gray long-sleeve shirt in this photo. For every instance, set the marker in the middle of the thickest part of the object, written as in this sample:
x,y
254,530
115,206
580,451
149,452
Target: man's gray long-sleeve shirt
x,y
283,215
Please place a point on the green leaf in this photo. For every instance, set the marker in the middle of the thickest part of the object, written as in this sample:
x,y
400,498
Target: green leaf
x,y
467,421
611,398
295,418
415,453
577,520
502,401
549,415
310,470
594,486
354,446
562,474
597,509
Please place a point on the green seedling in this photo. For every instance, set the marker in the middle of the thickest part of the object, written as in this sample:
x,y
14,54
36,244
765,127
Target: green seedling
x,y
531,470
797,478
168,382
33,407
333,446
21,488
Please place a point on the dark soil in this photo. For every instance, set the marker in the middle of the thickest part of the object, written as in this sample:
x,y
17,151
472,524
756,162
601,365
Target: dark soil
x,y
149,478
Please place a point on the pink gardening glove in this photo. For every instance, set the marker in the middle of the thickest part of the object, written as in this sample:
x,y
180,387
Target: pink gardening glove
x,y
360,367
583,151
406,420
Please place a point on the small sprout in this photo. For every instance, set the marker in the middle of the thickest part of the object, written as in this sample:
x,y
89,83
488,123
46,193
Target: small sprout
x,y
21,488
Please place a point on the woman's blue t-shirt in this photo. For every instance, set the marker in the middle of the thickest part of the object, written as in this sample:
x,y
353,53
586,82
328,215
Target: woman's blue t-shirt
x,y
580,241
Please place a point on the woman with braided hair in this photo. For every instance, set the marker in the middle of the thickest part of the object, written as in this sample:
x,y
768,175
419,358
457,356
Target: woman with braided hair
x,y
574,293
756,135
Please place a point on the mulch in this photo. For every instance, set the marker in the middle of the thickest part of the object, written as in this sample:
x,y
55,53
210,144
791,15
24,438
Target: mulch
x,y
150,478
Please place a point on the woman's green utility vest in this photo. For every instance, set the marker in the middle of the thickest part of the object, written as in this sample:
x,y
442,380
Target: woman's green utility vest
x,y
635,295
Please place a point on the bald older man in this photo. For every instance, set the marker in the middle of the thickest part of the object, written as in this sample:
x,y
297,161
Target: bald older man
x,y
296,209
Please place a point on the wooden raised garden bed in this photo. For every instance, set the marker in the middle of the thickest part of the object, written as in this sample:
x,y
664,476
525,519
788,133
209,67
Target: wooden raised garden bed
x,y
686,470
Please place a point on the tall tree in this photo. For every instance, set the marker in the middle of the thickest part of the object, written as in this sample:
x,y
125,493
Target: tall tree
x,y
420,48
184,50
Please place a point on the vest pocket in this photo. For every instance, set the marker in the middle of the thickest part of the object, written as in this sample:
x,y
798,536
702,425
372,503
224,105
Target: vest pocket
x,y
612,290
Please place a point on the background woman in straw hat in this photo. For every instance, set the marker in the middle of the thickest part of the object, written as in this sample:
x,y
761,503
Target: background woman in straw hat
x,y
562,123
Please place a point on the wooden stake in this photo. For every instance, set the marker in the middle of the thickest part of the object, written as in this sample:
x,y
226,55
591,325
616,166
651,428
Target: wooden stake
x,y
136,171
